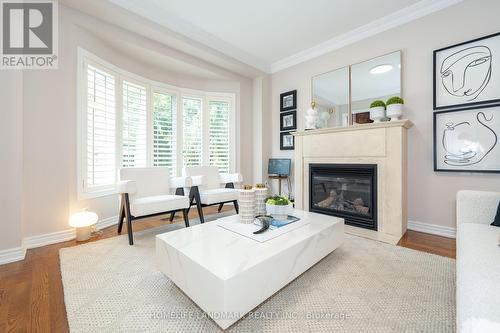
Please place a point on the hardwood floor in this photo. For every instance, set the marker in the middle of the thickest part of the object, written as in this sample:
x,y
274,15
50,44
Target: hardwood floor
x,y
31,292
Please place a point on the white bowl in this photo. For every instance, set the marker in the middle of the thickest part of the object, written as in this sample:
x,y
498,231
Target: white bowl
x,y
377,113
279,212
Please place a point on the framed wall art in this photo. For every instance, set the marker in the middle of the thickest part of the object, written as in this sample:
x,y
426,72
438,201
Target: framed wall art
x,y
288,101
467,74
466,140
286,141
288,121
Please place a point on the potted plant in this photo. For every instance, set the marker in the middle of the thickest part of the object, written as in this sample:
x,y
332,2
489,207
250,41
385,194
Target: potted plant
x,y
279,207
395,107
377,111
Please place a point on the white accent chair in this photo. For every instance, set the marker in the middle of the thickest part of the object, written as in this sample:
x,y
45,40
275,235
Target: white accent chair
x,y
146,192
207,188
478,262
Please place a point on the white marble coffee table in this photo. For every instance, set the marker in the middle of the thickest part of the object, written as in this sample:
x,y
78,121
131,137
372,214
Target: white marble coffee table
x,y
227,274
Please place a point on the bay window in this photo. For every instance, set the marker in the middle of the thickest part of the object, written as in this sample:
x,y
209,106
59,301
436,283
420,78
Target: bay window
x,y
129,121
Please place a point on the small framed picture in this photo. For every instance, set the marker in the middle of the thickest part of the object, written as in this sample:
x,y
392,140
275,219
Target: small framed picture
x,y
466,140
288,121
288,101
286,141
467,74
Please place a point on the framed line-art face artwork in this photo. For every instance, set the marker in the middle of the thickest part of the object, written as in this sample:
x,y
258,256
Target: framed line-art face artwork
x,y
286,141
466,140
288,121
288,101
467,74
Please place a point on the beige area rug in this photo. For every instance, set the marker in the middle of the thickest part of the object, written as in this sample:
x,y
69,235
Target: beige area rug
x,y
363,286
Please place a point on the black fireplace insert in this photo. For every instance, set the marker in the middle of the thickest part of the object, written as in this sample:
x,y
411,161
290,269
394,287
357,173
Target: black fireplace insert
x,y
345,190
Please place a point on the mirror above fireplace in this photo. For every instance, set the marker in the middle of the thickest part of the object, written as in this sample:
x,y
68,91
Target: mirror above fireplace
x,y
377,78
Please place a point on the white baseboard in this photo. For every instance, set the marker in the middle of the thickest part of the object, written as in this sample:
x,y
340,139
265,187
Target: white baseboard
x,y
18,253
12,255
48,239
113,220
433,229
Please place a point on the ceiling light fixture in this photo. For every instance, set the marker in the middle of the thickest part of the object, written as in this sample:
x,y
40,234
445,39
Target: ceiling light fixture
x,y
380,69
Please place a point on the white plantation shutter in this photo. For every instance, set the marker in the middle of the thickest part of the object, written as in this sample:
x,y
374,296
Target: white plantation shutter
x,y
99,154
219,149
164,134
134,135
192,131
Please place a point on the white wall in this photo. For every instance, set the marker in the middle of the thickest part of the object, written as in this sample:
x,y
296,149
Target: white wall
x,y
50,120
11,156
431,195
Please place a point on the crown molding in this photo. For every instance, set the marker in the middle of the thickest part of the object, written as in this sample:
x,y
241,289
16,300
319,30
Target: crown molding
x,y
403,16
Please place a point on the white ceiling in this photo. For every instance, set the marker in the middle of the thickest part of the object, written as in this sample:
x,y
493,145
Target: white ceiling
x,y
273,35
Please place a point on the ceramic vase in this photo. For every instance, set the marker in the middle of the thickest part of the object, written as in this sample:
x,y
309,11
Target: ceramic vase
x,y
394,111
261,194
377,114
246,203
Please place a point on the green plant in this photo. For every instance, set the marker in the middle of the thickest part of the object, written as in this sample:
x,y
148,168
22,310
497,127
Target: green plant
x,y
395,100
377,103
278,200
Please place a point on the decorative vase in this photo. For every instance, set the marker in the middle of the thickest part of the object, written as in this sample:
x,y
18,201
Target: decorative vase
x,y
279,212
394,111
377,114
261,193
311,117
246,203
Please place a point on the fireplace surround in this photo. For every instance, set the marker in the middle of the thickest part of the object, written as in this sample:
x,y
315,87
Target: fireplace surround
x,y
345,190
381,144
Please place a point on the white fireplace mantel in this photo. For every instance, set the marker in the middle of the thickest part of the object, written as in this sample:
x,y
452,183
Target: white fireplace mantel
x,y
383,144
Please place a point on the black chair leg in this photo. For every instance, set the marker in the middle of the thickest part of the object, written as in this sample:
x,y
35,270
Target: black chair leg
x,y
236,207
186,217
128,216
194,195
172,215
220,207
121,216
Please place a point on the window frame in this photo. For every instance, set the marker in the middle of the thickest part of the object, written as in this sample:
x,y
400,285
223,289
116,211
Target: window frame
x,y
85,58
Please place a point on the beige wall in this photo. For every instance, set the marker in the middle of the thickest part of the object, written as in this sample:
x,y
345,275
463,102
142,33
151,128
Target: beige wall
x,y
431,195
50,120
11,156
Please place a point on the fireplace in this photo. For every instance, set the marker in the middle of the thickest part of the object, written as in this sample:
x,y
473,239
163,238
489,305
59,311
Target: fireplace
x,y
345,190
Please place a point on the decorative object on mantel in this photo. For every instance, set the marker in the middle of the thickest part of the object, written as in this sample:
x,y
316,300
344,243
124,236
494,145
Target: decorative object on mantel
x,y
246,201
261,193
311,117
279,207
464,73
394,108
288,101
362,118
377,111
466,140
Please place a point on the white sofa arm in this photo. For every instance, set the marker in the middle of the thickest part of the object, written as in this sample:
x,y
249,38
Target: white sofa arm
x,y
197,180
127,186
177,182
231,178
477,206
